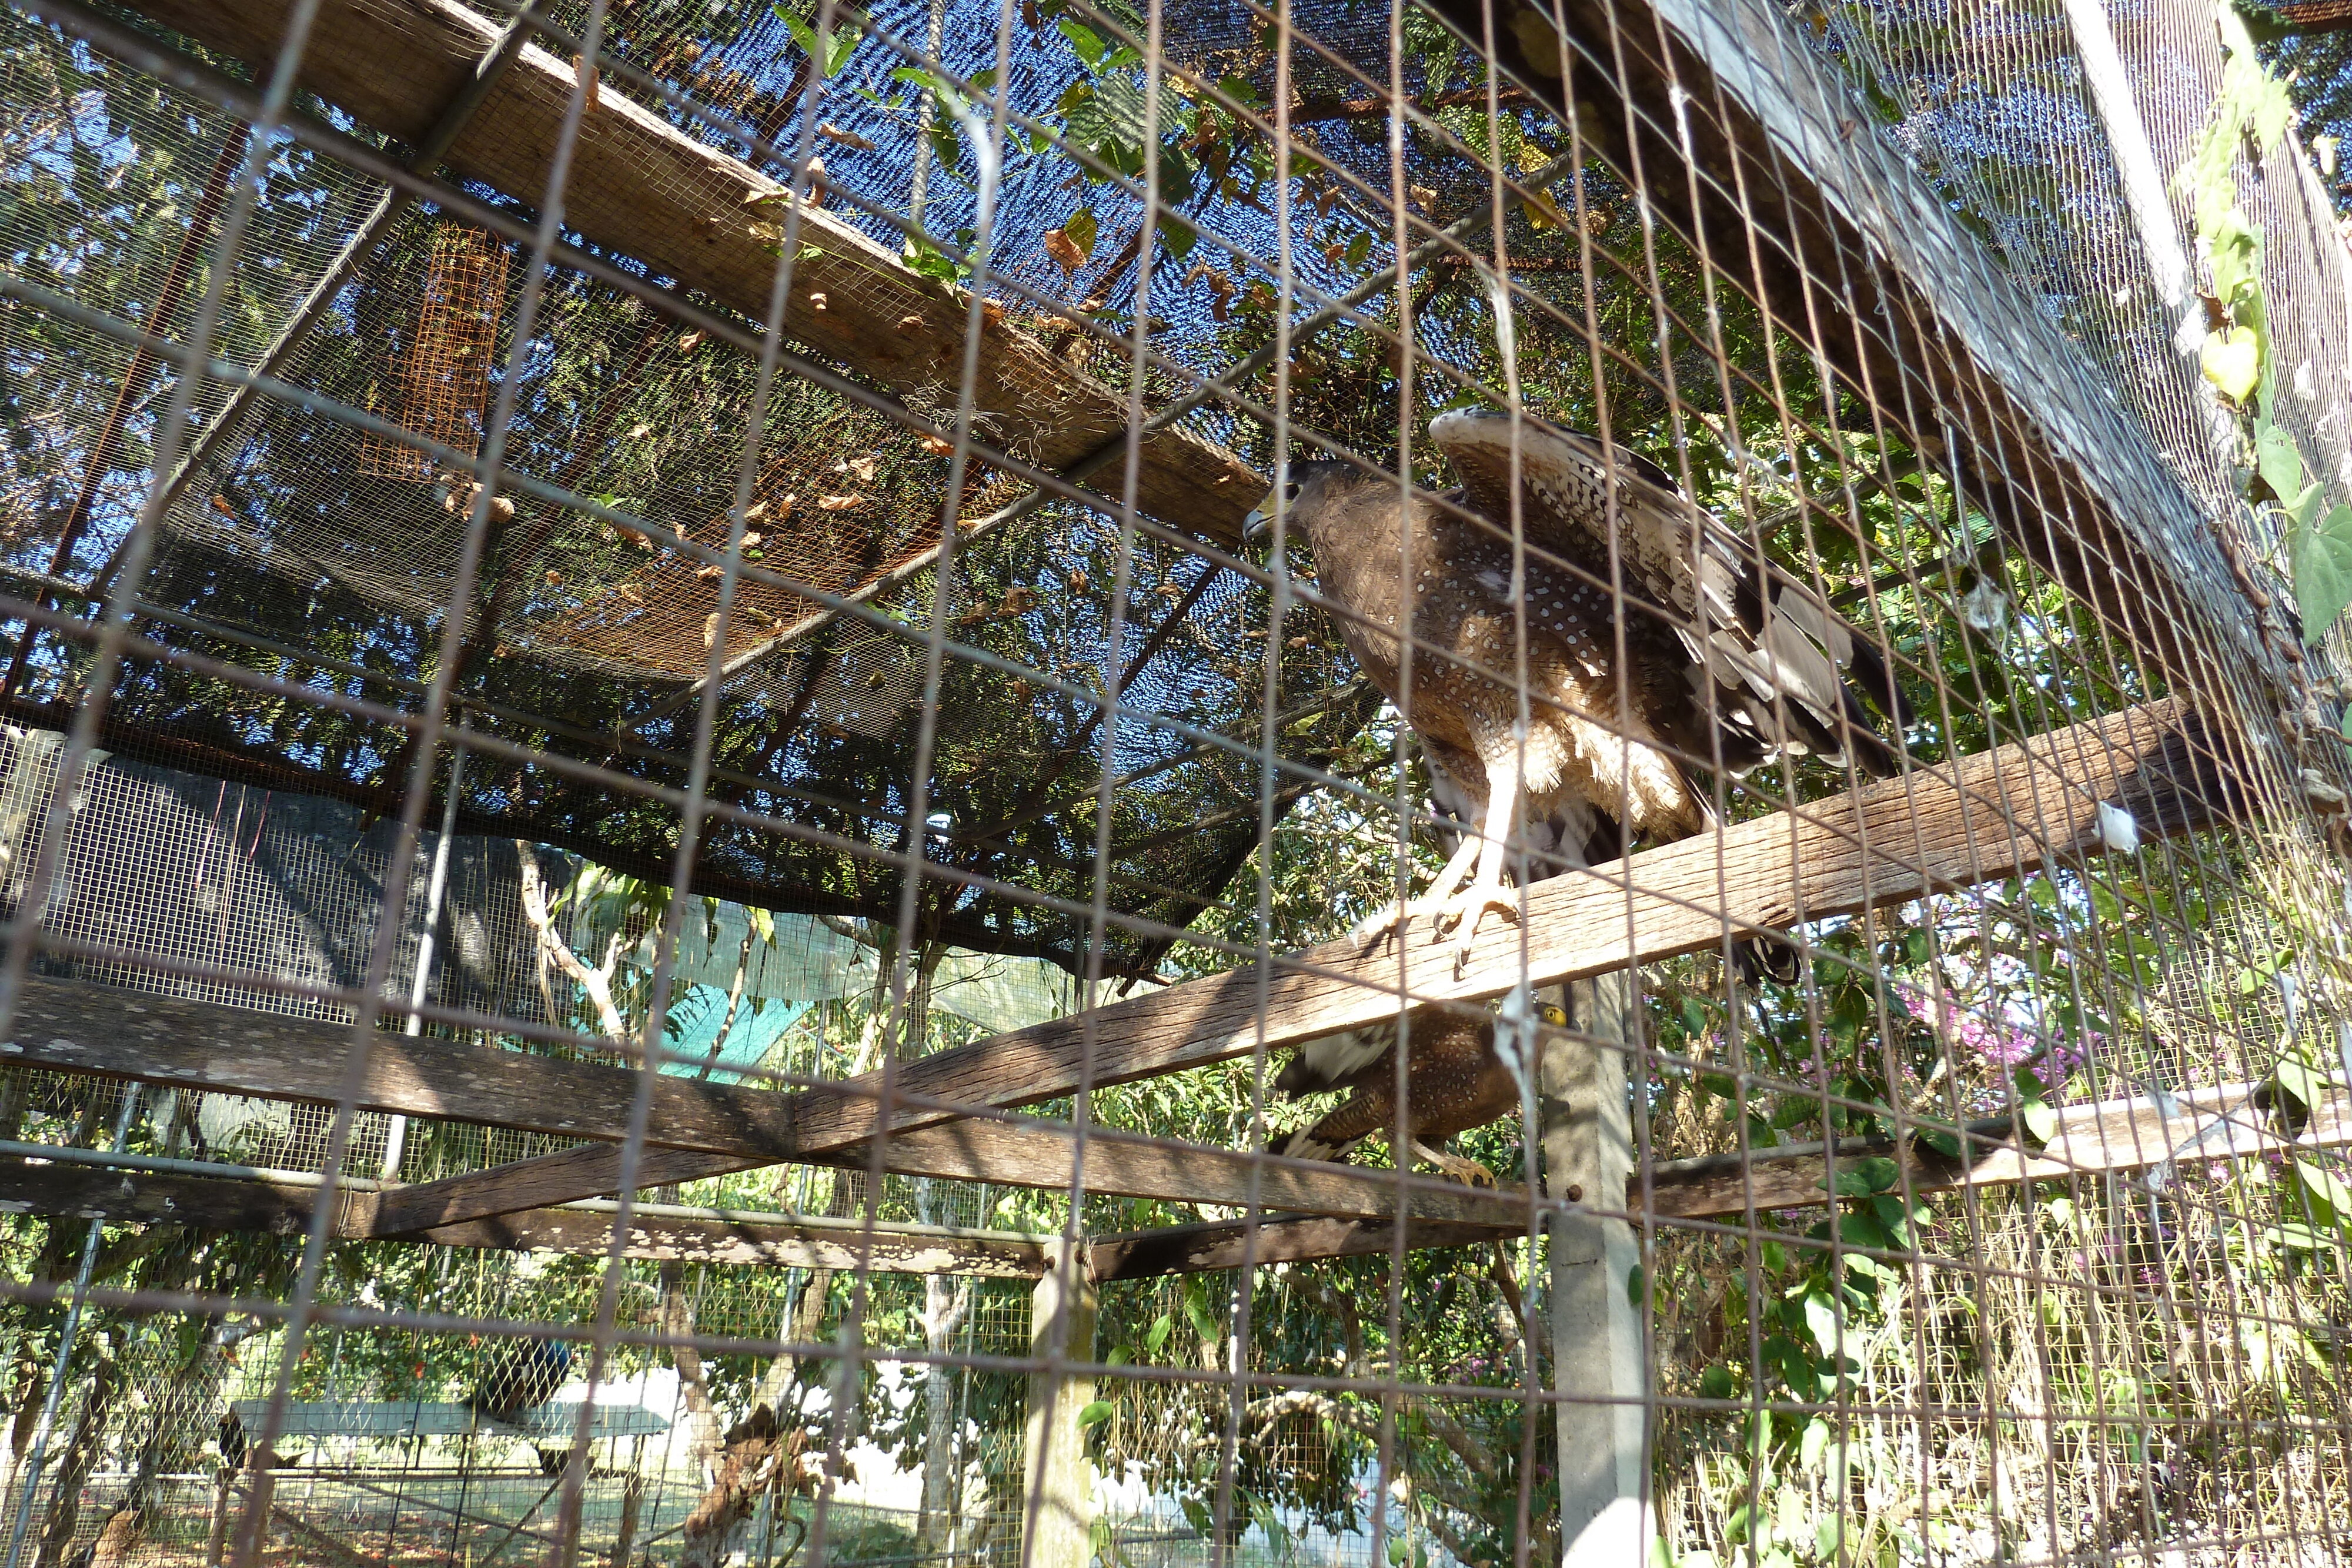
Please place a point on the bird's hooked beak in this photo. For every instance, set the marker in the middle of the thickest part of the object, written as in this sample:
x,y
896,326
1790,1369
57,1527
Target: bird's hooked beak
x,y
1258,526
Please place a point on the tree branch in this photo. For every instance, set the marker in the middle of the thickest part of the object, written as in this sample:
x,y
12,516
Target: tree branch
x,y
598,984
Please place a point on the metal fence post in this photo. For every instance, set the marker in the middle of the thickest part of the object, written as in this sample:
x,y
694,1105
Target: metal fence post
x,y
1597,1356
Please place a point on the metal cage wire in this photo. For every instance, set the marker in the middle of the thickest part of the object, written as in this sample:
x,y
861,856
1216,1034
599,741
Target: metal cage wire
x,y
667,818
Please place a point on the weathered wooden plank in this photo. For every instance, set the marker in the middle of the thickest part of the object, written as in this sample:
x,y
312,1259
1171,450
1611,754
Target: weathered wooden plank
x,y
2010,810
696,1129
641,186
1216,1245
2120,1134
224,1203
773,1243
2107,1135
155,1197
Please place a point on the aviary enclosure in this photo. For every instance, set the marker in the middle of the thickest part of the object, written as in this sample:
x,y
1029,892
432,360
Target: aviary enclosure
x,y
721,717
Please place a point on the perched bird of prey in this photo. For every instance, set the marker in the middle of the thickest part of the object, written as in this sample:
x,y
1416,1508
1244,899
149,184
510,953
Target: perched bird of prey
x,y
1715,672
1460,1074
522,1377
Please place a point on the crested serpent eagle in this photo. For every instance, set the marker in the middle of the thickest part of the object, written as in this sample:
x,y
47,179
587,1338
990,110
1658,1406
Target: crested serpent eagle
x,y
1722,667
1461,1072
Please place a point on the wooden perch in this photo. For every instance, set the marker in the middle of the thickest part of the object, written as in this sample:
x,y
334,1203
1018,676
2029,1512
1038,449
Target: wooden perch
x,y
2010,811
775,1240
2013,809
204,1047
641,186
2093,1139
2107,1135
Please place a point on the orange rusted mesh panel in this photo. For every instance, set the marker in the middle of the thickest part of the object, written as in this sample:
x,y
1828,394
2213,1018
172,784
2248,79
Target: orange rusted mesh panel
x,y
444,374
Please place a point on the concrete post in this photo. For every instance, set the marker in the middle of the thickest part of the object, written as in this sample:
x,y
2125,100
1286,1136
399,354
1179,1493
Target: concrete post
x,y
1057,1480
1587,1144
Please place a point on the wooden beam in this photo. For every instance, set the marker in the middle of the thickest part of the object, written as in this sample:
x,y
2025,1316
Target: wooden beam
x,y
1222,1244
244,1203
2125,1133
2120,1134
2009,811
222,1203
204,1047
1995,815
642,186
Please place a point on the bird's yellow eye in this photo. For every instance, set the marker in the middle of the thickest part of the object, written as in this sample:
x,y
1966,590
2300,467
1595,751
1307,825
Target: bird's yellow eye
x,y
1555,1014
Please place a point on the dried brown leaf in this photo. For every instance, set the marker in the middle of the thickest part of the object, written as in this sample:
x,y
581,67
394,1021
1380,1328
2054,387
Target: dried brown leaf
x,y
1064,250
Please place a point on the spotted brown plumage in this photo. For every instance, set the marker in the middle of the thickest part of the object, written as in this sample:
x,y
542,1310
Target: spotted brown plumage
x,y
1709,669
1461,1072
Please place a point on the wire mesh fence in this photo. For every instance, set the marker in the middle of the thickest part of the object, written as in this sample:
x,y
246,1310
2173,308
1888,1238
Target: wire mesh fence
x,y
1023,782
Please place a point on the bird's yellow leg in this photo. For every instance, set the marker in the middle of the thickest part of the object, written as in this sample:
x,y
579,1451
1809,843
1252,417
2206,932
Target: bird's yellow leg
x,y
1372,927
1468,1172
1486,890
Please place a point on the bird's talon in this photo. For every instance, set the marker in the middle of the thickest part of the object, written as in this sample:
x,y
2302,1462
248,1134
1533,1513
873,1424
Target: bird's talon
x,y
1470,1173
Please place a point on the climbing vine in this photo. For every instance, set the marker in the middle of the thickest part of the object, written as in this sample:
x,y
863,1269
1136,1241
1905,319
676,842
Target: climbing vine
x,y
2254,109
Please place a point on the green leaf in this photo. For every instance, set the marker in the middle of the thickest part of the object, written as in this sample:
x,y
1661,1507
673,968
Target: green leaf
x,y
2301,1080
2276,459
830,54
1821,1322
1860,1178
1880,1172
2237,253
1094,1414
1636,1283
1203,1323
2330,1198
2040,1120
1944,1143
1158,1337
1813,1444
2321,556
1082,229
2233,361
846,41
800,30
1109,118
1119,1357
1716,1382
1084,39
2302,1238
